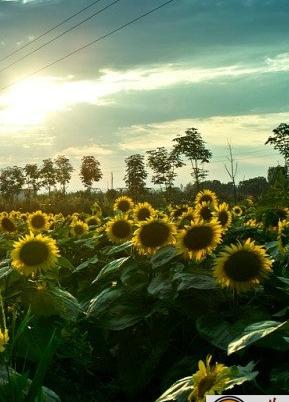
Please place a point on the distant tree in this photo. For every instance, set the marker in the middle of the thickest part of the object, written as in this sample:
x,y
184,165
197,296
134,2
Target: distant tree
x,y
11,181
90,171
192,146
255,186
280,140
63,170
135,175
277,174
32,177
232,170
163,164
48,174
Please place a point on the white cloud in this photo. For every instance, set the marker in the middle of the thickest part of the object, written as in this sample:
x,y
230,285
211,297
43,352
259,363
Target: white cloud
x,y
92,149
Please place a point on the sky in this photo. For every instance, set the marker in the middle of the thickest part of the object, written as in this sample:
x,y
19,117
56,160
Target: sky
x,y
221,66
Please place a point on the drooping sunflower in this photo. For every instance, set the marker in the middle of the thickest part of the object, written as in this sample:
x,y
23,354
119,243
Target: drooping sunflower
x,y
242,266
123,204
7,224
204,211
93,220
210,379
143,211
206,196
153,234
78,227
223,215
237,210
199,239
38,221
34,253
119,229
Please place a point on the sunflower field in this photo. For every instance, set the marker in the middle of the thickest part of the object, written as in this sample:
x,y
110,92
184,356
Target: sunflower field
x,y
144,305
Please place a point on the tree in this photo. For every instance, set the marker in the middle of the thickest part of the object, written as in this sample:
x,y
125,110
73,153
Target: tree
x,y
232,170
135,174
192,146
280,140
90,171
11,182
63,170
255,186
163,165
48,174
32,176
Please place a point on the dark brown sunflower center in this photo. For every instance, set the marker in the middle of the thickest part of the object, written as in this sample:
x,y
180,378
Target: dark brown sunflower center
x,y
179,211
198,238
206,213
206,198
223,217
92,221
34,253
8,225
121,229
123,205
38,221
242,266
78,229
237,210
143,214
205,385
154,234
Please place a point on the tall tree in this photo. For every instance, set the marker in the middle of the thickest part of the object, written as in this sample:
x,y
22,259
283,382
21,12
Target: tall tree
x,y
232,170
11,181
48,174
63,170
32,177
163,164
280,141
135,174
90,171
193,147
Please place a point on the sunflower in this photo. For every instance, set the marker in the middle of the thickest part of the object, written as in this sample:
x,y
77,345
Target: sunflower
x,y
252,223
242,266
24,217
204,211
206,196
143,211
123,204
186,217
283,231
237,210
7,224
119,229
223,215
93,220
209,380
153,234
199,239
78,227
38,221
178,210
34,253
4,339
96,209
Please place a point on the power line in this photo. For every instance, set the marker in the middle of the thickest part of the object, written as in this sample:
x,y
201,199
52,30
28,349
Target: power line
x,y
60,35
51,29
85,46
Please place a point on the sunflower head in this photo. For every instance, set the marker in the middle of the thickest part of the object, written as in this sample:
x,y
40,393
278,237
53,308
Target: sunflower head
x,y
93,220
153,234
143,211
78,227
38,221
210,379
34,253
119,229
242,266
123,204
177,211
186,217
237,210
223,215
199,239
204,211
7,224
24,217
282,237
207,196
252,223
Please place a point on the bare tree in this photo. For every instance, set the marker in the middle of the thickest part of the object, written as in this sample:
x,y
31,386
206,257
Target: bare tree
x,y
232,169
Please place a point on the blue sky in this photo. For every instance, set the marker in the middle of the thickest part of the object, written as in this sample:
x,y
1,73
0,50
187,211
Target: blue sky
x,y
220,66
